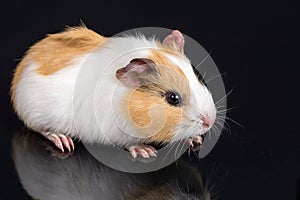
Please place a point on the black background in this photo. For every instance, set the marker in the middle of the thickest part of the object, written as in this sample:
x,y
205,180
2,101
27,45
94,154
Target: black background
x,y
255,43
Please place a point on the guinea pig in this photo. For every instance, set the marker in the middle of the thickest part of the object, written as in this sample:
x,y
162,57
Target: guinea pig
x,y
148,91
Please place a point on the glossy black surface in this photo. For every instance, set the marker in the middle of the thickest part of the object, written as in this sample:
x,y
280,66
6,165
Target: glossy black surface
x,y
255,44
47,173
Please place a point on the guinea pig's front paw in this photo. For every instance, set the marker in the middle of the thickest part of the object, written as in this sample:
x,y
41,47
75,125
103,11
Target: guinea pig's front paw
x,y
195,142
146,151
60,140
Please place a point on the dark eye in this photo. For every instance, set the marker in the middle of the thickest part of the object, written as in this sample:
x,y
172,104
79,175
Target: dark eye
x,y
173,98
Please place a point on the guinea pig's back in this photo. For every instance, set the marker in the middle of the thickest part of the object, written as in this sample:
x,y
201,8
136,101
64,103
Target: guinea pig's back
x,y
44,80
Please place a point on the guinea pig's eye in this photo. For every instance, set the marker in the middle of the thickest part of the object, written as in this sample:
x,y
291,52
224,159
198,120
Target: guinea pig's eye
x,y
173,98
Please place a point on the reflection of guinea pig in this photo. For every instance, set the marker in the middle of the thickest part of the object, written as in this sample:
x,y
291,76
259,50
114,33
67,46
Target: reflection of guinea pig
x,y
81,176
147,91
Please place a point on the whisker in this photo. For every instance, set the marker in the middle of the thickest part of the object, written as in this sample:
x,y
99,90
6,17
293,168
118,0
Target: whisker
x,y
180,191
197,156
227,109
204,59
214,77
223,98
217,186
220,106
172,146
189,154
235,122
176,155
180,151
203,77
218,122
225,126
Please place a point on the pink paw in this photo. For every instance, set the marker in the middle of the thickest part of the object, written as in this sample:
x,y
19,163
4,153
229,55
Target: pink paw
x,y
145,151
61,141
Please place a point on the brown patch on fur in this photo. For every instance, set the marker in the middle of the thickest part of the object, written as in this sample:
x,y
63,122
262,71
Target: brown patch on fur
x,y
160,59
64,47
17,76
57,51
139,105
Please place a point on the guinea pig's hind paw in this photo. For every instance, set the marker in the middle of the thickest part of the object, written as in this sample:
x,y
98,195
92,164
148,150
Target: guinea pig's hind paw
x,y
145,151
60,140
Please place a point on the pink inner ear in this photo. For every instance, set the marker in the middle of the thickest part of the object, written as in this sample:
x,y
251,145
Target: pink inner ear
x,y
138,65
177,38
129,74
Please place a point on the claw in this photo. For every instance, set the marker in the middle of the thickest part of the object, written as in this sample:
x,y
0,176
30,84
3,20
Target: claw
x,y
144,150
60,140
133,153
190,142
71,143
195,142
198,139
54,138
65,141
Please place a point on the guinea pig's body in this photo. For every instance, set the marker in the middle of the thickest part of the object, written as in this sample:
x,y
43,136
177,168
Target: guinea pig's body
x,y
57,83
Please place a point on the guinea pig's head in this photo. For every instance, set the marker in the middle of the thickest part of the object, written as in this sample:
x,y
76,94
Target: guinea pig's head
x,y
166,100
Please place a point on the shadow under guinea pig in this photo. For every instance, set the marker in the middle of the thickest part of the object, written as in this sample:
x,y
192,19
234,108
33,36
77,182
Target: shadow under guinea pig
x,y
81,176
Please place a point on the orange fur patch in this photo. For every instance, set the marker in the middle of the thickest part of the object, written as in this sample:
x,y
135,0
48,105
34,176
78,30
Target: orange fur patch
x,y
57,51
160,59
63,48
139,109
17,76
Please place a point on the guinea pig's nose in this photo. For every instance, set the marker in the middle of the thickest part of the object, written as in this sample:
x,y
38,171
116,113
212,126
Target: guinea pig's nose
x,y
206,121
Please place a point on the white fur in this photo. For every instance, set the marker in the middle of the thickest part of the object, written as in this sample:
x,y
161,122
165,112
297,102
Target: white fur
x,y
201,103
83,100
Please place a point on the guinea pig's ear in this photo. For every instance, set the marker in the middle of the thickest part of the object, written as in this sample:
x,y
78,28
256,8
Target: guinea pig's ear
x,y
175,39
131,74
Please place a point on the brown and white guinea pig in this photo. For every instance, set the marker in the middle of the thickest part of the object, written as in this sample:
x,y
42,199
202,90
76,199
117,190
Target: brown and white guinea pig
x,y
134,91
